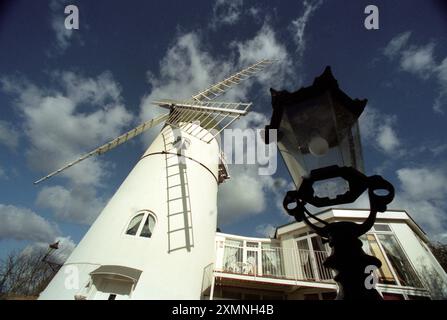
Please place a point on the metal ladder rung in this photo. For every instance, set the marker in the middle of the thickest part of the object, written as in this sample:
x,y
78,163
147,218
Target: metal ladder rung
x,y
255,69
172,175
173,165
177,213
180,229
219,89
177,185
230,80
204,95
175,199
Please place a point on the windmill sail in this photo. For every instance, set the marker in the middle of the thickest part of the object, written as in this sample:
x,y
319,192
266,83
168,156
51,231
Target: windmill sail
x,y
212,116
223,86
111,144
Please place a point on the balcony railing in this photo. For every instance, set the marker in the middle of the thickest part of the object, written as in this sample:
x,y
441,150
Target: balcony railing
x,y
280,263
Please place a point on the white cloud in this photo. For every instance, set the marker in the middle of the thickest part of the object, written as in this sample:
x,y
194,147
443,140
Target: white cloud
x,y
423,193
298,25
438,104
79,204
265,45
387,139
187,69
240,196
97,91
419,60
379,129
244,194
9,136
265,230
423,183
23,224
396,44
226,12
60,125
59,131
247,193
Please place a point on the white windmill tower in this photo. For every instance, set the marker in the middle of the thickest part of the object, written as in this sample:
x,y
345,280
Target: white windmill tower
x,y
155,237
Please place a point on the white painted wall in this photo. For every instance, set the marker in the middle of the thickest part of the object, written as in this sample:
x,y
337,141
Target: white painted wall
x,y
165,275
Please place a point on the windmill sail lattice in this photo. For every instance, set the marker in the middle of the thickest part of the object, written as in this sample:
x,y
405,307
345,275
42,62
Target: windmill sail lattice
x,y
211,116
112,144
223,86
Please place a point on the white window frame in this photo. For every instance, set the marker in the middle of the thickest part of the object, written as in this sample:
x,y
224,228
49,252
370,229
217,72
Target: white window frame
x,y
137,235
374,232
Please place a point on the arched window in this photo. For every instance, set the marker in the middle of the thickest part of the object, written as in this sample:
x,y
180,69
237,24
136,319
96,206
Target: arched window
x,y
141,225
134,224
148,226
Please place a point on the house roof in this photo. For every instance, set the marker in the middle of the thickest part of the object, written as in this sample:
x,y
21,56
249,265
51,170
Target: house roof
x,y
121,271
334,213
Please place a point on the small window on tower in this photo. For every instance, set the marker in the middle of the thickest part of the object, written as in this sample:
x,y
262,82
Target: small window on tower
x,y
148,226
134,224
141,225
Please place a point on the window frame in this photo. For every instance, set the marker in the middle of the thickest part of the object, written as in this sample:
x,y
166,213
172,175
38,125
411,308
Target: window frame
x,y
418,278
146,213
127,228
391,232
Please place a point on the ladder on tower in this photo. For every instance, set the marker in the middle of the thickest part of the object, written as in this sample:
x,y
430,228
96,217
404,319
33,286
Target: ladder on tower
x,y
179,214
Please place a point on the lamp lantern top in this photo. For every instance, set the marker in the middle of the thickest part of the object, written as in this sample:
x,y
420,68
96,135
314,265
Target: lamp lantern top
x,y
317,127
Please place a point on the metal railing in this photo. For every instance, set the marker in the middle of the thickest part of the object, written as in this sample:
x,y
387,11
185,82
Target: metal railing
x,y
312,267
275,262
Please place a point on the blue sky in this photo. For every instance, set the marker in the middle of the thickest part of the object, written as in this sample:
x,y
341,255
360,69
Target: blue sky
x,y
64,92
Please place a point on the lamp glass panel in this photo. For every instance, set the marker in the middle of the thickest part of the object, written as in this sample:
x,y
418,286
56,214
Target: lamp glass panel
x,y
304,123
317,133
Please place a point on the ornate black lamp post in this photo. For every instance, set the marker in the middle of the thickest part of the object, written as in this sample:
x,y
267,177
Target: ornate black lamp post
x,y
319,140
